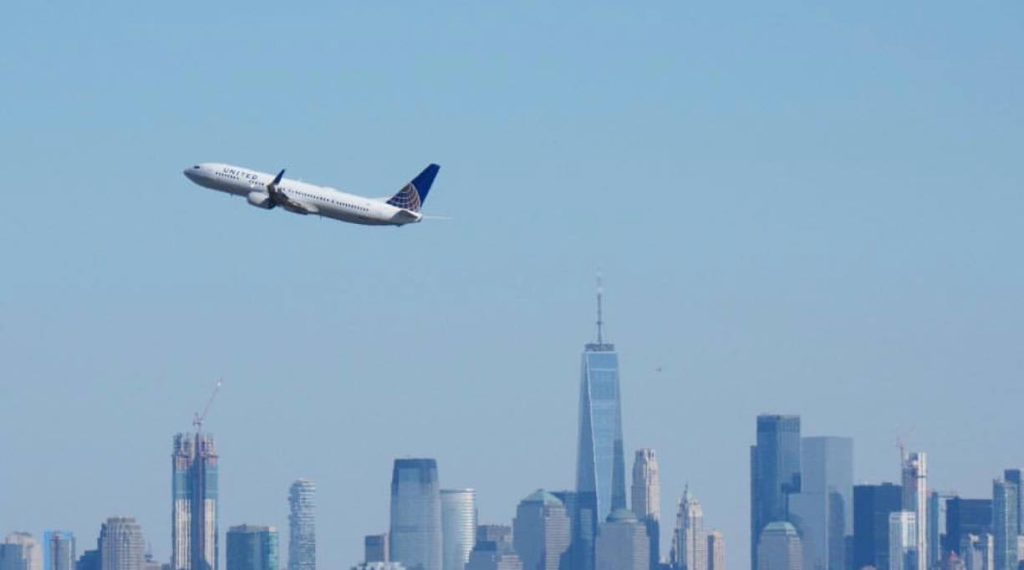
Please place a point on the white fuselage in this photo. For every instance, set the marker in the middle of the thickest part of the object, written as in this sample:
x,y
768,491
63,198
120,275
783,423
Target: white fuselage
x,y
306,198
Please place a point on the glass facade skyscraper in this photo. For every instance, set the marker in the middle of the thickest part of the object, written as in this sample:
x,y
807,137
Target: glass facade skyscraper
x,y
458,527
872,505
416,536
252,547
823,509
965,517
774,473
301,526
58,550
1004,524
600,460
915,500
194,494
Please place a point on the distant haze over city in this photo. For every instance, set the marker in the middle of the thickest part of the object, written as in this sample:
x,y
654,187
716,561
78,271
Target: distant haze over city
x,y
806,219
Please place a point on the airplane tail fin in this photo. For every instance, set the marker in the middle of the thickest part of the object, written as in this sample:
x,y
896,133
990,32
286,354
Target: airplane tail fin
x,y
413,194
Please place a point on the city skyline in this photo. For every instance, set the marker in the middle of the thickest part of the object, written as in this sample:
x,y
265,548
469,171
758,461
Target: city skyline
x,y
823,219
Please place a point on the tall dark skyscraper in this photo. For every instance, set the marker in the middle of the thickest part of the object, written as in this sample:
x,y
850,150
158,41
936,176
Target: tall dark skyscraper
x,y
301,526
252,547
415,536
964,517
194,512
872,505
774,473
600,460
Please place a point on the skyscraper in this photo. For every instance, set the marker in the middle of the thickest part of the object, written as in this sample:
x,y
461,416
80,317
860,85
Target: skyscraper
x,y
301,526
903,545
872,505
30,551
90,560
489,555
915,500
823,509
121,544
1013,476
194,514
716,551
252,547
541,532
415,534
458,527
622,543
1005,496
58,550
977,551
966,517
774,474
499,534
779,547
646,499
689,544
600,460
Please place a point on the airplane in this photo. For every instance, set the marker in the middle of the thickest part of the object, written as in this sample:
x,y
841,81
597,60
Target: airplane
x,y
267,191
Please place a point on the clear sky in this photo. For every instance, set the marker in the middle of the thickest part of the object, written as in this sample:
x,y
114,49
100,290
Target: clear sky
x,y
798,208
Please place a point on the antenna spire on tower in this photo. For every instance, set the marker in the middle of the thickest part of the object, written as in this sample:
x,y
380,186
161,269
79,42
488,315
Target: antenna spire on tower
x,y
600,321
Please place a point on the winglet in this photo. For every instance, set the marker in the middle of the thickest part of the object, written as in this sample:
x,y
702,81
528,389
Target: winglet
x,y
277,179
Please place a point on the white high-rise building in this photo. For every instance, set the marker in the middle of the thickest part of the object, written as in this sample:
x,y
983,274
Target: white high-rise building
x,y
301,526
646,499
31,552
915,500
903,536
689,544
458,527
779,548
121,545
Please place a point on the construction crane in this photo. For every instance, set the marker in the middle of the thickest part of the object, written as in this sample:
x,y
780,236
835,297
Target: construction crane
x,y
199,418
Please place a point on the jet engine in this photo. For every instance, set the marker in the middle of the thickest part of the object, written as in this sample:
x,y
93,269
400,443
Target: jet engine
x,y
260,200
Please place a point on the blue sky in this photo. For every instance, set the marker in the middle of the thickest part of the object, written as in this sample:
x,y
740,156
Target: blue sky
x,y
797,208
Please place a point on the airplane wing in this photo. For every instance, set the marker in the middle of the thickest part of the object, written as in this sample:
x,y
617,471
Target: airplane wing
x,y
279,198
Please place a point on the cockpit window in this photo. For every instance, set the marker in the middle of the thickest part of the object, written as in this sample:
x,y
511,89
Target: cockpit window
x,y
196,167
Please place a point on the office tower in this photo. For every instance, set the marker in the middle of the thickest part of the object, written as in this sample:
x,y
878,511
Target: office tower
x,y
966,517
977,551
58,550
915,500
689,543
375,548
936,515
716,550
541,532
1004,524
301,526
903,542
823,509
1013,476
872,505
194,515
252,547
779,547
121,544
499,534
29,551
774,474
622,543
416,514
458,527
600,459
646,499
90,560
